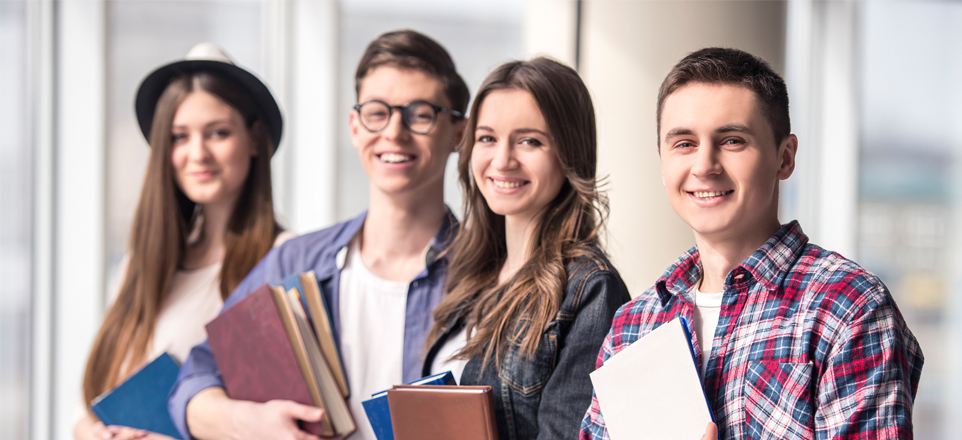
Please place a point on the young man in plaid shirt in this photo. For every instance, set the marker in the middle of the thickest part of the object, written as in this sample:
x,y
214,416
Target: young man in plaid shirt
x,y
792,341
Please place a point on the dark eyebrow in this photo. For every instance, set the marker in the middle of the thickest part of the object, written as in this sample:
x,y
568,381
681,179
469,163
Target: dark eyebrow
x,y
530,130
209,124
678,132
736,128
482,127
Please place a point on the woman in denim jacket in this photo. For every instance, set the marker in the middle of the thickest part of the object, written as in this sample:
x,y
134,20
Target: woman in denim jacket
x,y
531,294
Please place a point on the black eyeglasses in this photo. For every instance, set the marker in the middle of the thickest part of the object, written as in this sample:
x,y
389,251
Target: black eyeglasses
x,y
417,116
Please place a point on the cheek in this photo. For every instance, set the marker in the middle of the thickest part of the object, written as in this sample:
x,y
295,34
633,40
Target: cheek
x,y
178,158
236,156
478,163
549,170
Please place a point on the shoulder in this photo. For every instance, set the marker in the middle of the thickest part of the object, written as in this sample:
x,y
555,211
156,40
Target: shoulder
x,y
312,251
593,277
629,320
314,245
837,285
283,237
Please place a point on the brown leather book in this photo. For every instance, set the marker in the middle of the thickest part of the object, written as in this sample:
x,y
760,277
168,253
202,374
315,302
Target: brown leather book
x,y
441,412
255,357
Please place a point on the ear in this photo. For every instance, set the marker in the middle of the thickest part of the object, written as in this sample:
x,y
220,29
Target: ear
x,y
354,125
459,128
786,157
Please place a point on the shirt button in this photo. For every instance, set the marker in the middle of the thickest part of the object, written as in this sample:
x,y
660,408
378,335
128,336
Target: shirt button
x,y
739,276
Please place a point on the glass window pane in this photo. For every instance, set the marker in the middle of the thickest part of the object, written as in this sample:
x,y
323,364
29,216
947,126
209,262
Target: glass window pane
x,y
909,184
15,222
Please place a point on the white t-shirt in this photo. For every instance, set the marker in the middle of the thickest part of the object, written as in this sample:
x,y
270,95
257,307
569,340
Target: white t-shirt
x,y
372,314
193,301
707,311
443,362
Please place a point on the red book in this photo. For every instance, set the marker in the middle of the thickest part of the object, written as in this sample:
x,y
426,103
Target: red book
x,y
255,357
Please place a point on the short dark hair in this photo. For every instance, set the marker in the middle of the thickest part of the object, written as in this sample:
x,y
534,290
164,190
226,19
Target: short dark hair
x,y
736,67
412,50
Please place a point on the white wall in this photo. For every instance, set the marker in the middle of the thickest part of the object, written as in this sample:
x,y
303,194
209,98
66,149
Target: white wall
x,y
627,49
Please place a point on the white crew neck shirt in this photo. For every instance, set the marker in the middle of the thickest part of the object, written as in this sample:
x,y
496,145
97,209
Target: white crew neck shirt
x,y
707,311
443,360
372,314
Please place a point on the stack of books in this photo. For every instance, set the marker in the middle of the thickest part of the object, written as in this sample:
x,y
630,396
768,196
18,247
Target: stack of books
x,y
432,407
278,343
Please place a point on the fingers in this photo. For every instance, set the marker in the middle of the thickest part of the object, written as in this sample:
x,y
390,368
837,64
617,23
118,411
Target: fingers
x,y
301,435
302,412
123,433
711,432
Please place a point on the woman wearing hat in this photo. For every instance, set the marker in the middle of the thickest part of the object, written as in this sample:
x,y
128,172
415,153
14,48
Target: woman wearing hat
x,y
204,219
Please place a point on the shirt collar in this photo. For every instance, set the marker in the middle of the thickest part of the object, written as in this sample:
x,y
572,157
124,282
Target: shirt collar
x,y
768,265
431,254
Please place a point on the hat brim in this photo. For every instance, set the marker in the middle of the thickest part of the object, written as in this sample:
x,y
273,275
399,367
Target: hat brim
x,y
157,81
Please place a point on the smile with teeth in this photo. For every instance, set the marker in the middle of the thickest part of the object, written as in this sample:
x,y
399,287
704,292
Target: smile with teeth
x,y
396,158
506,184
708,195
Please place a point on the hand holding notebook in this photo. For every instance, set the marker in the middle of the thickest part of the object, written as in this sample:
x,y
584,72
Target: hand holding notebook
x,y
652,389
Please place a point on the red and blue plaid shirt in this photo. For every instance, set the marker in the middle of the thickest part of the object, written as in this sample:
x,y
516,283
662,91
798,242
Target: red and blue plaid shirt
x,y
808,345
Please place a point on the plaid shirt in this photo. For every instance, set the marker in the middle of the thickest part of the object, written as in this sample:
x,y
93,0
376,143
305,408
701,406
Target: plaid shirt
x,y
808,345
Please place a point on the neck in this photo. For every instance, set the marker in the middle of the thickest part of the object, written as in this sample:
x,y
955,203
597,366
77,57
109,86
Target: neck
x,y
396,231
518,232
211,247
719,256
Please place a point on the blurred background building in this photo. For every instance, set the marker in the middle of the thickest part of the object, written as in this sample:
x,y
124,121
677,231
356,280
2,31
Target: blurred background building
x,y
876,104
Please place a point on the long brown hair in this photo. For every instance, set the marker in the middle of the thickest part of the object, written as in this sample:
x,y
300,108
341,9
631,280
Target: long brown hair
x,y
517,312
162,223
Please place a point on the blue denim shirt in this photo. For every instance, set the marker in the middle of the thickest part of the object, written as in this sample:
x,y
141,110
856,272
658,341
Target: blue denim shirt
x,y
544,396
322,252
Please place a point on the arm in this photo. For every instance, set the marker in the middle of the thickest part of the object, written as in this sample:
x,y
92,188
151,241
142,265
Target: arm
x,y
212,414
200,408
868,385
568,391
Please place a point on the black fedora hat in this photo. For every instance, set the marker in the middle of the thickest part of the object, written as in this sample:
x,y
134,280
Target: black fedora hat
x,y
206,57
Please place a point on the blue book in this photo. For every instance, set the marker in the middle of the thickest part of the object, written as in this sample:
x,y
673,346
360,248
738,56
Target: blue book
x,y
141,401
379,412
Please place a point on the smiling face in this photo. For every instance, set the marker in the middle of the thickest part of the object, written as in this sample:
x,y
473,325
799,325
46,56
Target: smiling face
x,y
514,161
719,163
395,159
212,149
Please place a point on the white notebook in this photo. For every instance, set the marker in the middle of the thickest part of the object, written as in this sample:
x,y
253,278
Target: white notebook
x,y
651,389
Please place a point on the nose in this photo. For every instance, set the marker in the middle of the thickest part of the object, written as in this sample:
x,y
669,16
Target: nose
x,y
197,148
706,161
503,157
395,129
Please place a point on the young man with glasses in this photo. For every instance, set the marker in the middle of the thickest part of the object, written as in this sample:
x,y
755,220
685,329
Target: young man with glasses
x,y
792,341
381,272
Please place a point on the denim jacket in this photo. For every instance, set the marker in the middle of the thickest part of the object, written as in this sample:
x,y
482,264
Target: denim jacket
x,y
545,396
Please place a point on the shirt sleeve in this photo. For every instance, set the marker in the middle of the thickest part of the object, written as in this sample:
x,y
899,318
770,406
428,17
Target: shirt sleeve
x,y
593,424
869,383
199,370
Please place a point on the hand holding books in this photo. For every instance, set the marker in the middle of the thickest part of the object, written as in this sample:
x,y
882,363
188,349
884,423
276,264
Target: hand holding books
x,y
269,347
